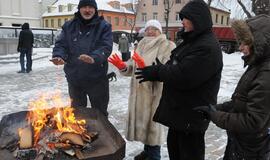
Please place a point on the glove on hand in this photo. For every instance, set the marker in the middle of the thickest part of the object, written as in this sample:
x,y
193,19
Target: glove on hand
x,y
207,111
138,60
148,73
117,62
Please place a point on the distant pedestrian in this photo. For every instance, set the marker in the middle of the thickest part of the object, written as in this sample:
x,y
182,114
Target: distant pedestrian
x,y
25,46
123,47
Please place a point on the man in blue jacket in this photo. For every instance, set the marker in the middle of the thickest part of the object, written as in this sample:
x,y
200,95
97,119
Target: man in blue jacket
x,y
83,47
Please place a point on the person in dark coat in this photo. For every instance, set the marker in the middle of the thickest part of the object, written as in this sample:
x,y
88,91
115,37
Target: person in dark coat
x,y
123,47
246,117
83,47
25,46
190,78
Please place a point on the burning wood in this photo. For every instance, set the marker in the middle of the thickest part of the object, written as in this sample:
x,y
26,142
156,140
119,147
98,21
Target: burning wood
x,y
109,146
52,130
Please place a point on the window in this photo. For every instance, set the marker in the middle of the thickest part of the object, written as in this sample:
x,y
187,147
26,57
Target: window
x,y
52,23
155,2
1,24
130,21
228,20
49,9
216,18
144,17
222,19
60,8
59,23
125,21
46,23
177,1
69,7
155,15
109,19
116,21
177,17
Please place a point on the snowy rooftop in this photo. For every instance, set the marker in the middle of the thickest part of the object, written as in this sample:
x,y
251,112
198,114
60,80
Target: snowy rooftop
x,y
102,5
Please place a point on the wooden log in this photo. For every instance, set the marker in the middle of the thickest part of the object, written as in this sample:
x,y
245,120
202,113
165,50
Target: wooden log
x,y
72,138
26,138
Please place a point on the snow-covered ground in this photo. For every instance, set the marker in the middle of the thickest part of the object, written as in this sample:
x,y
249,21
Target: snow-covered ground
x,y
18,89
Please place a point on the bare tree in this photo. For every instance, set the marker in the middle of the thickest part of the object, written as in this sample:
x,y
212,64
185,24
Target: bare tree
x,y
168,4
209,2
250,7
244,9
134,8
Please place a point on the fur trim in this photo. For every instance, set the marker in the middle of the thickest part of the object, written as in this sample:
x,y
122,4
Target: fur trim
x,y
242,32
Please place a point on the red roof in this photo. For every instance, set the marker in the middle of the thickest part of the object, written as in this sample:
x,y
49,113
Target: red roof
x,y
224,33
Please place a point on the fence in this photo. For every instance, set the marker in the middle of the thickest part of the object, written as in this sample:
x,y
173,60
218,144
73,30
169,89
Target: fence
x,y
43,38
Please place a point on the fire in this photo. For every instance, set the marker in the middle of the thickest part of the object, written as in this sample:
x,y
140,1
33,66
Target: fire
x,y
50,111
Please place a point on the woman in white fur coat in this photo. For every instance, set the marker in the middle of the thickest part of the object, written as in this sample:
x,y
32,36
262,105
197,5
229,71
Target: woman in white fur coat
x,y
144,97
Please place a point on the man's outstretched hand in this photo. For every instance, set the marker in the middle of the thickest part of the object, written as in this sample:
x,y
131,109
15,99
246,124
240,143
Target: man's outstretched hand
x,y
86,58
57,61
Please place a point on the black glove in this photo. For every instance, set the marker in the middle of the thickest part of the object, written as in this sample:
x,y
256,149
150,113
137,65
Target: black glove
x,y
207,111
148,73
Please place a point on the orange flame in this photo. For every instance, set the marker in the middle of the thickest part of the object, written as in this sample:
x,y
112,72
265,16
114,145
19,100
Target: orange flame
x,y
48,109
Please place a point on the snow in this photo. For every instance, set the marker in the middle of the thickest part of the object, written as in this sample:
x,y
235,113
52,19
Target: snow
x,y
102,5
18,89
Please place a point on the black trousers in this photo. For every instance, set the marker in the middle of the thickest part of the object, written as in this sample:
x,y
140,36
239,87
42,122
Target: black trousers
x,y
97,93
24,52
125,56
185,145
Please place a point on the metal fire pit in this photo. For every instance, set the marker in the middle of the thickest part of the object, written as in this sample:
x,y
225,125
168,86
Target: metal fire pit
x,y
109,146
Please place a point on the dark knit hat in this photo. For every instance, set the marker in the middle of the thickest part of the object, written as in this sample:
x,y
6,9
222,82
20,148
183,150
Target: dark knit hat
x,y
83,3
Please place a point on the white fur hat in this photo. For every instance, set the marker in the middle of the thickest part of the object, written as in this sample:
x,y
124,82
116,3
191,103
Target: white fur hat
x,y
153,23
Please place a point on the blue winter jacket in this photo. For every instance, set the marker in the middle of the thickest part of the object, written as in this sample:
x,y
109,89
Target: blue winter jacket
x,y
95,40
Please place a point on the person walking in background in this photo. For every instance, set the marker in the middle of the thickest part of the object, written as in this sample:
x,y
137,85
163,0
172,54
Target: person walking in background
x,y
190,78
25,46
123,47
144,98
246,117
83,47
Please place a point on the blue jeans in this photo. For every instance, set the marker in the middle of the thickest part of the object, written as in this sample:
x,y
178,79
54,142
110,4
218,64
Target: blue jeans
x,y
28,53
153,152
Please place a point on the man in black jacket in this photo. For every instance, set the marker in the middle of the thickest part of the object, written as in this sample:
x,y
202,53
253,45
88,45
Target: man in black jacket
x,y
25,45
191,78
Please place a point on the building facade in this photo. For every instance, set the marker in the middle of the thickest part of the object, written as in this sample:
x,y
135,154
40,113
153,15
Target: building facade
x,y
155,9
16,12
119,15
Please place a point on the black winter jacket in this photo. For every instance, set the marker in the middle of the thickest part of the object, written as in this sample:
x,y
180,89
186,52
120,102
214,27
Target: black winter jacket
x,y
247,116
26,38
92,37
192,75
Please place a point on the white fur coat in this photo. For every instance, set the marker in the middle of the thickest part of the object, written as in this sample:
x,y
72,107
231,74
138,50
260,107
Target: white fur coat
x,y
144,98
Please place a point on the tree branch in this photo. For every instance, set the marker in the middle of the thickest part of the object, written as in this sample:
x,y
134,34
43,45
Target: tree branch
x,y
244,9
